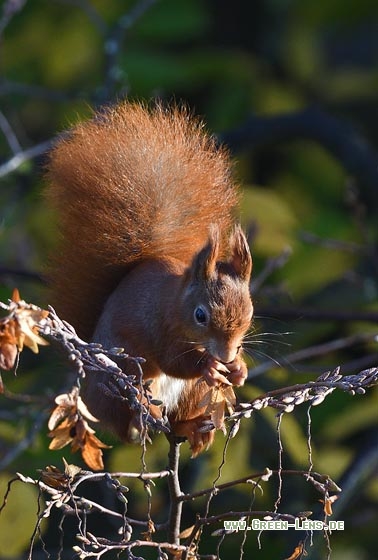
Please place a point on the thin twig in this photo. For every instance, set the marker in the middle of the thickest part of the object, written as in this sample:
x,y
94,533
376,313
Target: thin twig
x,y
20,157
25,442
9,134
174,520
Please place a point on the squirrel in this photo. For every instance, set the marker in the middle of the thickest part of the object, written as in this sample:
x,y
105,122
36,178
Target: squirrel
x,y
152,259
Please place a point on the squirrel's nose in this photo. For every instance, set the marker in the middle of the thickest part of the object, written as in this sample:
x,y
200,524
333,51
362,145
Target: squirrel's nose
x,y
223,353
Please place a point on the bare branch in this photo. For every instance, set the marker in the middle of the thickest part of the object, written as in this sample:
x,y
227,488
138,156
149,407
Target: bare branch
x,y
21,157
10,8
9,134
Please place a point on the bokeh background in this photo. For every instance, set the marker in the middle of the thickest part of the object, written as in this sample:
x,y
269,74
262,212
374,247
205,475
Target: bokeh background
x,y
292,87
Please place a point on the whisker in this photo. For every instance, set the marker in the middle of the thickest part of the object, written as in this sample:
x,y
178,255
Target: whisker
x,y
256,342
264,355
182,354
269,318
268,333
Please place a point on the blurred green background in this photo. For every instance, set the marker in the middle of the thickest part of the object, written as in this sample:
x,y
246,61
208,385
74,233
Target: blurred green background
x,y
292,87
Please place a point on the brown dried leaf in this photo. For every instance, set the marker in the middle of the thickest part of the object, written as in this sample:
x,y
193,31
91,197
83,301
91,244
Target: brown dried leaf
x,y
67,407
57,415
54,477
328,504
27,331
19,329
68,425
206,399
186,532
71,470
63,435
299,551
8,355
16,295
82,408
68,404
150,530
229,397
91,452
215,401
8,343
68,399
217,415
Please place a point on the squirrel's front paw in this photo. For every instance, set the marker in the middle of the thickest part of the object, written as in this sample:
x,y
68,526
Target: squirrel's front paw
x,y
238,371
198,431
213,370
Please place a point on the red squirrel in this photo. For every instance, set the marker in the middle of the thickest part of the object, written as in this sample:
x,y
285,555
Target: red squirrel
x,y
151,258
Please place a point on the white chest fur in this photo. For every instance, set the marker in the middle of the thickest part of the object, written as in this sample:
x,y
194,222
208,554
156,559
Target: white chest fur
x,y
169,391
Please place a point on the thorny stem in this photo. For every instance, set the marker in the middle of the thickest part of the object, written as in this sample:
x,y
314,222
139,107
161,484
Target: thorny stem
x,y
175,494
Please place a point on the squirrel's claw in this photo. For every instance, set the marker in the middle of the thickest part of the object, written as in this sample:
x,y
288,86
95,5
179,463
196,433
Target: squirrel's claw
x,y
238,372
212,372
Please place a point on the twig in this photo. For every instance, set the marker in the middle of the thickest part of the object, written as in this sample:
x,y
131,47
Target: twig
x,y
333,244
90,10
262,476
337,136
174,519
8,87
10,8
9,134
270,267
286,399
113,46
95,477
26,441
28,274
311,314
20,157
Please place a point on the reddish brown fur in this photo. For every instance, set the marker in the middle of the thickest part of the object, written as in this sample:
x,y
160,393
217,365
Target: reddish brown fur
x,y
131,184
146,204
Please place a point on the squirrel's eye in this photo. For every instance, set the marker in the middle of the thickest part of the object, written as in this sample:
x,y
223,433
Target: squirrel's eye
x,y
200,316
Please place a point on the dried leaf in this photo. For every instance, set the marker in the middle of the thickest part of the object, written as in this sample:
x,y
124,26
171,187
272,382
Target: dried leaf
x,y
8,340
186,532
216,400
206,399
82,408
54,477
328,504
229,397
28,320
18,329
71,470
67,407
8,355
217,415
150,530
68,399
91,452
298,552
67,425
63,435
16,295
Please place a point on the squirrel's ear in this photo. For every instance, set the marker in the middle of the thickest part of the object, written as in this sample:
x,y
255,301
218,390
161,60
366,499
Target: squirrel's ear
x,y
241,259
204,263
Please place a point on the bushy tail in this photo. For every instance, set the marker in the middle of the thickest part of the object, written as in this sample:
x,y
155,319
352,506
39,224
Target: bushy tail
x,y
130,184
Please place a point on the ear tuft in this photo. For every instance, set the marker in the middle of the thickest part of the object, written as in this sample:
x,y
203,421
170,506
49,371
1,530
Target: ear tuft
x,y
204,263
241,259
